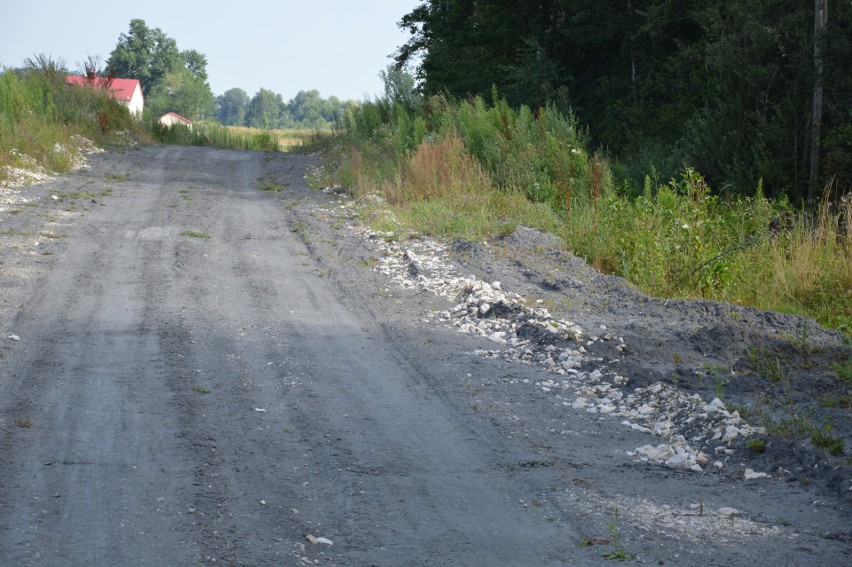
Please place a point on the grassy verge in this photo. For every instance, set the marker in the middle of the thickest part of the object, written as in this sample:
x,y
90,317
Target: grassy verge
x,y
475,170
214,135
239,138
44,123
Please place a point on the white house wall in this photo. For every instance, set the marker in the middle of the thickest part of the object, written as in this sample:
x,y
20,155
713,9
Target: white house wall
x,y
136,102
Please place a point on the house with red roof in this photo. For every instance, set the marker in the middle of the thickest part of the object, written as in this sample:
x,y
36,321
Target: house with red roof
x,y
126,91
172,118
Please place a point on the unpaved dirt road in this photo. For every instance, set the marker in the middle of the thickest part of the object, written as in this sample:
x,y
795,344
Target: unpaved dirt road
x,y
195,371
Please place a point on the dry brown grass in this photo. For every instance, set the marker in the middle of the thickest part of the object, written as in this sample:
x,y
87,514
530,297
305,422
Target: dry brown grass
x,y
438,169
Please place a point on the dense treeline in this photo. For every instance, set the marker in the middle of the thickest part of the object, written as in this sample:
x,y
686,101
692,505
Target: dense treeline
x,y
267,109
727,87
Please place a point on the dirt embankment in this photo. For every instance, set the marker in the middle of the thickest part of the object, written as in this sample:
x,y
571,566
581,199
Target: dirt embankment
x,y
195,370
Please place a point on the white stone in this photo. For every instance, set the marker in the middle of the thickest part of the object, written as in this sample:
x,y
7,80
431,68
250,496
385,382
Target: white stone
x,y
752,475
676,461
660,453
645,409
731,433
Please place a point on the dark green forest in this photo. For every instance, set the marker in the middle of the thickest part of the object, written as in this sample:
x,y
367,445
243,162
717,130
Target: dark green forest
x,y
741,90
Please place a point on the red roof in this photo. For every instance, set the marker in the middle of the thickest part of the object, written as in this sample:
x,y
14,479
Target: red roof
x,y
122,89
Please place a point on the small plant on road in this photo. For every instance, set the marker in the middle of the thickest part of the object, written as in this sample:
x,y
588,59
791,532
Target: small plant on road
x,y
24,422
271,185
195,234
617,553
756,445
201,389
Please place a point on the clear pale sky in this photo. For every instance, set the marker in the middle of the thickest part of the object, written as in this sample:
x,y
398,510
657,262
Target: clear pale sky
x,y
335,46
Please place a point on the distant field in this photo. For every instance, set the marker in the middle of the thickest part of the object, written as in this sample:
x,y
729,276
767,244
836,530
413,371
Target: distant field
x,y
288,140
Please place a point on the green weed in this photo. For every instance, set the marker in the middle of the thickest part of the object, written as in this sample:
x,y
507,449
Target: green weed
x,y
843,370
617,552
840,401
23,422
756,445
270,185
195,234
767,364
824,439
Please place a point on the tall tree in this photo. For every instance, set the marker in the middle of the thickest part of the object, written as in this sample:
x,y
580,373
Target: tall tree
x,y
264,110
400,85
820,23
232,107
145,54
182,92
195,62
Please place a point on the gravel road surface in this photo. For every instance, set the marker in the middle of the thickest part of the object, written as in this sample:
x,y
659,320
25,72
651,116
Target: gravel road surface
x,y
201,363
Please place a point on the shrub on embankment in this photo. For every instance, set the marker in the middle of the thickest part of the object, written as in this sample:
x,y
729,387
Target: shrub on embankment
x,y
467,168
42,118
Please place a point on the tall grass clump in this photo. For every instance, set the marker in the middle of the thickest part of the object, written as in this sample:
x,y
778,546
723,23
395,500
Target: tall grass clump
x,y
495,163
680,240
213,135
41,118
806,268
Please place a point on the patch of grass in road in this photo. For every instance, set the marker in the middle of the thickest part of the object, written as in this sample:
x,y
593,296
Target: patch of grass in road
x,y
13,232
117,177
24,422
266,184
201,389
195,234
48,234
